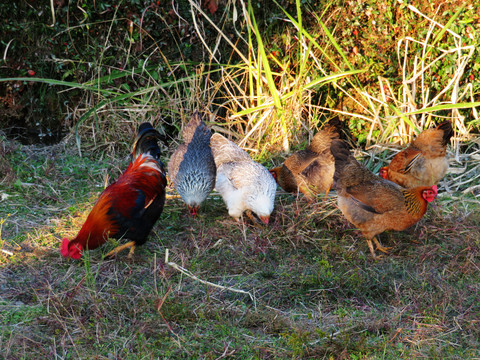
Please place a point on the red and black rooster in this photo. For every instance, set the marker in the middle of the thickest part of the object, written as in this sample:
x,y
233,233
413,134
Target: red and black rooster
x,y
129,207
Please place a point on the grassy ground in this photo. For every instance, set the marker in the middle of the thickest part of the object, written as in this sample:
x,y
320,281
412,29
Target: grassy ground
x,y
309,287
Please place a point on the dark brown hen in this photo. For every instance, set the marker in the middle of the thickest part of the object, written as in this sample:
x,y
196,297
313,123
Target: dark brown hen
x,y
310,171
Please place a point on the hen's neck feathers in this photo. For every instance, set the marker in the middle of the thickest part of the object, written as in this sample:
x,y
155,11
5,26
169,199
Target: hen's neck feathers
x,y
415,204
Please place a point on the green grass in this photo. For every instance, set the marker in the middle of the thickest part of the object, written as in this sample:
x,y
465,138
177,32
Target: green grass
x,y
316,292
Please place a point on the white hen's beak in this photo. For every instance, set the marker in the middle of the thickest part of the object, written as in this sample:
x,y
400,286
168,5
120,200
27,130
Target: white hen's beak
x,y
265,219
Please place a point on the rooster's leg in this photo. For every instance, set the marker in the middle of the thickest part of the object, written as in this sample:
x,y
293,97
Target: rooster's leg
x,y
130,244
380,247
130,253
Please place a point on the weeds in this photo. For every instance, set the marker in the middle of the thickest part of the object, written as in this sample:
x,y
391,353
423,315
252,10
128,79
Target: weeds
x,y
273,93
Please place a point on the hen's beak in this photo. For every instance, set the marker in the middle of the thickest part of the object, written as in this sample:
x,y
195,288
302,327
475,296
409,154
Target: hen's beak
x,y
193,210
265,219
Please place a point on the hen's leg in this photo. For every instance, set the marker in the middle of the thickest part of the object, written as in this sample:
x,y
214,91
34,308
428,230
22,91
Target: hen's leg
x,y
250,216
380,247
255,221
130,244
372,250
326,194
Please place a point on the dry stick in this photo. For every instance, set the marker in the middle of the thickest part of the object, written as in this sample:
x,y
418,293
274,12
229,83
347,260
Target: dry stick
x,y
6,50
172,196
219,31
190,275
52,9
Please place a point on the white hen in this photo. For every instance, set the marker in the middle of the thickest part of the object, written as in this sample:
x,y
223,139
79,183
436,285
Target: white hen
x,y
244,184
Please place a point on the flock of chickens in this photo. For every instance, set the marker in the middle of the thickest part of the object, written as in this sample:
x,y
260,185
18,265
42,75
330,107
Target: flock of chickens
x,y
395,200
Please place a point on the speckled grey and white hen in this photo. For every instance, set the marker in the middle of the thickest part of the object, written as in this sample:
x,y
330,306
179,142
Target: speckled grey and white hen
x,y
244,184
191,168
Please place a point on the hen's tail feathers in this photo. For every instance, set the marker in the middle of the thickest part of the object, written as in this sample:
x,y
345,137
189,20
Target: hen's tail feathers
x,y
447,132
146,141
322,140
341,153
334,126
196,128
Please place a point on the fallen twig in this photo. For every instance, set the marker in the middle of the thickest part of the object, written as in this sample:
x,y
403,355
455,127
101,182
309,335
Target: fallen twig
x,y
192,276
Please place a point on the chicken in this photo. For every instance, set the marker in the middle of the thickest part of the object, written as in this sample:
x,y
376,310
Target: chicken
x,y
423,162
192,168
309,171
245,185
129,207
373,204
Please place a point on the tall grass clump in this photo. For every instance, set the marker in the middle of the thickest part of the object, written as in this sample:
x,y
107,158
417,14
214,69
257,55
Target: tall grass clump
x,y
273,94
123,75
268,94
417,102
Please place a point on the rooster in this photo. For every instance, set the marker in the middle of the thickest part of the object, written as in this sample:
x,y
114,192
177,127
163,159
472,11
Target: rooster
x,y
245,185
191,168
310,171
423,162
373,204
129,207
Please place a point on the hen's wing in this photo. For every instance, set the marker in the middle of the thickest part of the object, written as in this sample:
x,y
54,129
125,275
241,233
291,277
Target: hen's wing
x,y
319,174
175,161
405,160
378,196
300,160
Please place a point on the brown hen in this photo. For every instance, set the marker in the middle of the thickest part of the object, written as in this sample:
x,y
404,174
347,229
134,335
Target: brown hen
x,y
423,162
373,204
310,171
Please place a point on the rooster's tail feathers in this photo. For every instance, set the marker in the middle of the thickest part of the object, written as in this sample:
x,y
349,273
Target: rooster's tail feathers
x,y
147,141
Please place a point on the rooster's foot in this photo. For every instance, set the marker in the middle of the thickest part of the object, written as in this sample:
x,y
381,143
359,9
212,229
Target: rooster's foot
x,y
130,244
